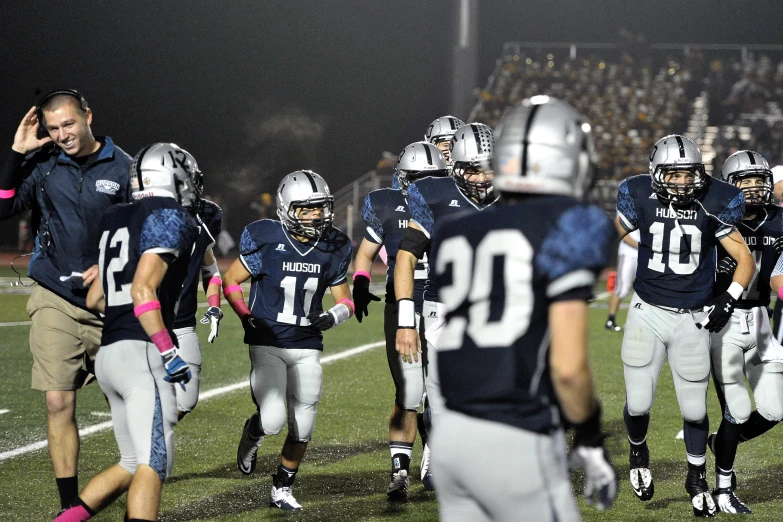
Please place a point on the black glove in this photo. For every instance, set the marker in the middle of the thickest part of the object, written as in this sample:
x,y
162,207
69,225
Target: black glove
x,y
588,453
254,323
719,313
321,320
362,296
727,265
777,246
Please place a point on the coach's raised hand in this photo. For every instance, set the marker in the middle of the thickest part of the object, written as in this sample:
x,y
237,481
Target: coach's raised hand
x,y
26,137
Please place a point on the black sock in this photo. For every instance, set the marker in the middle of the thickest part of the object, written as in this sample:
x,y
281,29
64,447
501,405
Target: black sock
x,y
636,426
755,426
610,318
726,444
284,477
68,488
400,461
696,439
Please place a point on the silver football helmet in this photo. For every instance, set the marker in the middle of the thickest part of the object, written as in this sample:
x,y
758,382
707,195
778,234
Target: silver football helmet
x,y
166,170
745,164
304,189
675,153
418,160
471,152
544,146
440,131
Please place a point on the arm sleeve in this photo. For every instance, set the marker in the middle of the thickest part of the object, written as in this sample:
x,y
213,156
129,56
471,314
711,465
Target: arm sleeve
x,y
571,261
166,231
15,176
250,253
626,208
421,212
374,230
731,216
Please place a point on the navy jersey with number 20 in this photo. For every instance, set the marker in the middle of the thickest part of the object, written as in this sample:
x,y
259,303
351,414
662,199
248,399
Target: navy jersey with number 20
x,y
498,274
289,279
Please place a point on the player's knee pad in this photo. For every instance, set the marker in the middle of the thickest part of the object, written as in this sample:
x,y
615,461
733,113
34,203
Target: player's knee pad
x,y
411,389
692,397
188,398
689,356
128,463
301,422
738,406
769,392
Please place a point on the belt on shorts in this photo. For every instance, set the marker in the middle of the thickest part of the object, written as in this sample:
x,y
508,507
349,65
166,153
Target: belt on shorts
x,y
677,310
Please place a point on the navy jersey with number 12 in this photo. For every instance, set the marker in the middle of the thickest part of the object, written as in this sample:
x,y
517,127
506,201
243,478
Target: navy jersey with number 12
x,y
151,225
289,279
676,266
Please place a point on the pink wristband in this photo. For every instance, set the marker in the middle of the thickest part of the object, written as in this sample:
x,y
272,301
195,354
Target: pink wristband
x,y
216,281
349,304
361,273
229,289
146,307
780,293
7,194
214,300
162,340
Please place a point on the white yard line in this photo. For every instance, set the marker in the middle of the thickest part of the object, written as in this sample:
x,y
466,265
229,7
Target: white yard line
x,y
4,411
95,428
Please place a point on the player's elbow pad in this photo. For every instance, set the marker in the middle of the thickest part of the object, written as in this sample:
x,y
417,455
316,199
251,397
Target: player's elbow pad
x,y
416,242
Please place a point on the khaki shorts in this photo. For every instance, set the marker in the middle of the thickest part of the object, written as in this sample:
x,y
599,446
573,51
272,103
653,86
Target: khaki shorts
x,y
64,340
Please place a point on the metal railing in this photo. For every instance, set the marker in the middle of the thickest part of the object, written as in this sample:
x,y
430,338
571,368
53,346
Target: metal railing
x,y
348,202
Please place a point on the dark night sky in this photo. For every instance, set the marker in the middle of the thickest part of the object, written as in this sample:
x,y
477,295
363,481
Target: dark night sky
x,y
373,73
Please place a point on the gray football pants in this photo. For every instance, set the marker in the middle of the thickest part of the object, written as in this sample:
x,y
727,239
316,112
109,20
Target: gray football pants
x,y
735,356
143,405
408,377
491,471
190,351
433,316
652,333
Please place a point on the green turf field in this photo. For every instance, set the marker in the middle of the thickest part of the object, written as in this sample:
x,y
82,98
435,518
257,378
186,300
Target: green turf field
x,y
345,472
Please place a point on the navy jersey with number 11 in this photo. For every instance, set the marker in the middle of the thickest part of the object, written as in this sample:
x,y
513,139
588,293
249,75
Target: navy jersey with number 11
x,y
151,225
498,274
677,258
289,279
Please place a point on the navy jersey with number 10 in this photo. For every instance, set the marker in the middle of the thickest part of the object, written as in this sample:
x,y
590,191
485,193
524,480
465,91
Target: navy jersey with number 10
x,y
151,225
289,279
677,258
498,273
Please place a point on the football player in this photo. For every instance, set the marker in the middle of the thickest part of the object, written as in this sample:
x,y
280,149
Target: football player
x,y
682,215
740,351
514,282
203,265
469,189
145,250
627,255
290,263
440,132
386,215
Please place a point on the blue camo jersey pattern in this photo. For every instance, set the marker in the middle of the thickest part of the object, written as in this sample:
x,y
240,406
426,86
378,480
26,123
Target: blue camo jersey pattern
x,y
291,281
431,200
166,228
134,228
594,237
386,215
485,371
677,255
210,224
759,233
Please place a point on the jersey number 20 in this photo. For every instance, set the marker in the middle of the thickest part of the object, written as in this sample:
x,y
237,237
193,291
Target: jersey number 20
x,y
472,275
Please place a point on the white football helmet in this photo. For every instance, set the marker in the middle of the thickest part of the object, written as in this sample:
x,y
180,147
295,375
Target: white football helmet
x,y
745,164
471,148
676,153
304,188
166,170
416,161
544,146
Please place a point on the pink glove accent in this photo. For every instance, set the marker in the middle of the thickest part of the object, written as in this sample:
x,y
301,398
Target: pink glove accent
x,y
7,194
163,341
361,273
